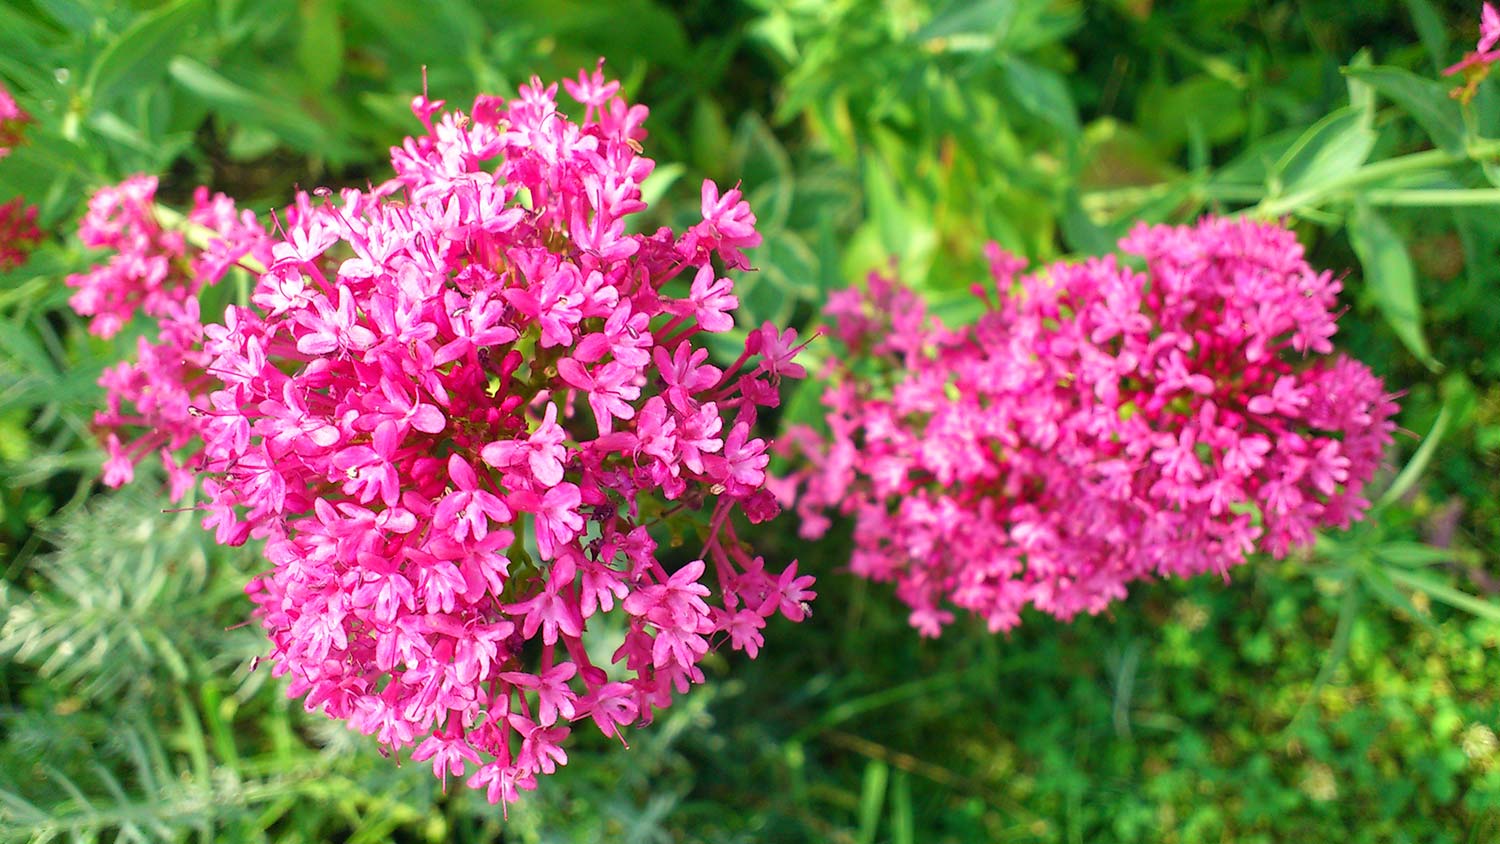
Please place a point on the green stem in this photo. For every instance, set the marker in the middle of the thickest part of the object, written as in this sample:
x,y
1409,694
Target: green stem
x,y
1433,159
1434,197
1272,206
1103,200
198,235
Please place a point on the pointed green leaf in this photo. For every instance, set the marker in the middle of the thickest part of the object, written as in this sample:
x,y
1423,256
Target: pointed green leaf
x,y
872,799
969,18
1418,462
903,826
136,59
1337,649
885,207
1042,93
765,169
661,180
234,101
1417,555
1380,585
1426,100
320,46
708,137
1492,172
1440,591
1391,279
1330,148
1431,29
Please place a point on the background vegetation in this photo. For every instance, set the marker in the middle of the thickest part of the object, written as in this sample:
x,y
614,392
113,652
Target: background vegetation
x,y
1348,694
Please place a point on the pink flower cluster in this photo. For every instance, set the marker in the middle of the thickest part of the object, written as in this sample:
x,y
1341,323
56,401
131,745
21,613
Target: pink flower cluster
x,y
13,120
19,234
1097,425
154,400
461,403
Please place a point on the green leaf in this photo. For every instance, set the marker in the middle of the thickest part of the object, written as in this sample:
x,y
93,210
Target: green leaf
x,y
1042,93
787,274
1418,462
765,169
1083,235
239,103
1255,165
708,137
1330,148
1430,29
1337,649
320,47
1380,585
778,33
1390,278
1440,591
872,799
661,180
70,13
1426,100
968,18
1492,172
1485,122
137,58
1416,554
903,826
887,211
1361,92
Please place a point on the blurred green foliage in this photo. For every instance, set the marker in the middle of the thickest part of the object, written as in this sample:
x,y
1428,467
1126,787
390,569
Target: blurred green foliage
x,y
1346,695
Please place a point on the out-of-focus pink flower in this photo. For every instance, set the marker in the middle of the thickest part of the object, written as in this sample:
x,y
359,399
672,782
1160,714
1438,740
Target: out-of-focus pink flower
x,y
1475,65
1098,425
19,234
13,120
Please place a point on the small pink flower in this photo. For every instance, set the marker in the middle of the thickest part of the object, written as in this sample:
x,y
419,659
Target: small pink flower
x,y
1476,63
712,300
333,328
557,519
467,510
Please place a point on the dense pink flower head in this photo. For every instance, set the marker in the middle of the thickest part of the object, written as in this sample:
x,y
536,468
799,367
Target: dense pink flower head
x,y
1097,425
460,403
13,120
19,234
